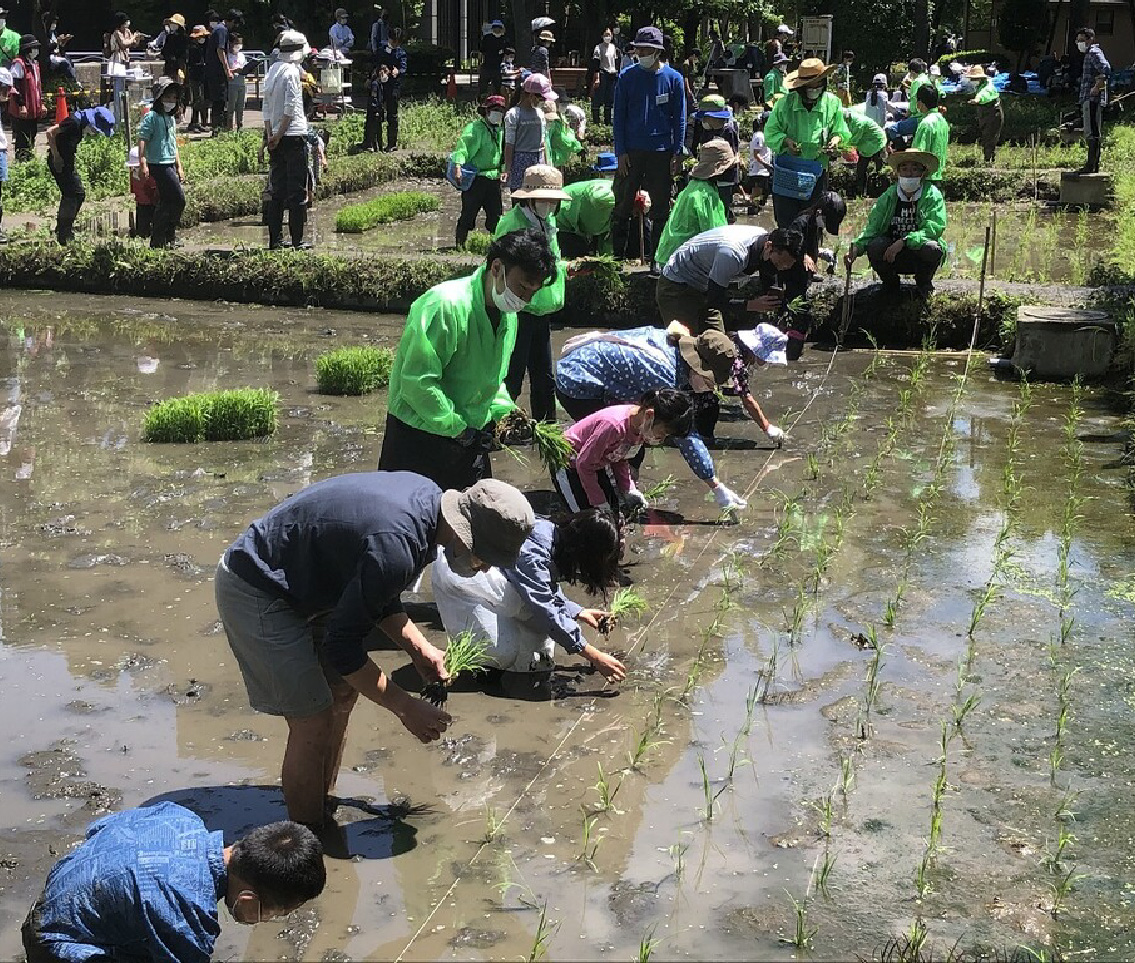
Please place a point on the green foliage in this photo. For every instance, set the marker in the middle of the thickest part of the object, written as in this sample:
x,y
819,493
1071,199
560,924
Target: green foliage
x,y
626,601
399,206
230,154
212,416
552,444
1022,25
353,371
1024,116
466,652
966,57
1119,265
478,242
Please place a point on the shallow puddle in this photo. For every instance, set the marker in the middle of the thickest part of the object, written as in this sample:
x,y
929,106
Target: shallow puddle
x,y
753,742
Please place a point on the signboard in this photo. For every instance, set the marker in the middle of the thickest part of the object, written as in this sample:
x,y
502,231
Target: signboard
x,y
816,37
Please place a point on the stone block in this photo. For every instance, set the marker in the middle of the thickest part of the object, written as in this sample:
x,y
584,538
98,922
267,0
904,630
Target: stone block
x,y
1086,190
1057,344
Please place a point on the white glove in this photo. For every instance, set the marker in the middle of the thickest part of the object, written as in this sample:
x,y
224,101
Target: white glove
x,y
776,434
635,502
728,500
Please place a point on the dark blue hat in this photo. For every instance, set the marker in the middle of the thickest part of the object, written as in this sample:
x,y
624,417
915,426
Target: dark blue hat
x,y
606,163
648,37
497,23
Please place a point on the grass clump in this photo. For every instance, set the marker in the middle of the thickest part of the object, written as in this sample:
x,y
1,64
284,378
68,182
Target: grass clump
x,y
212,416
552,444
353,371
399,206
465,652
478,242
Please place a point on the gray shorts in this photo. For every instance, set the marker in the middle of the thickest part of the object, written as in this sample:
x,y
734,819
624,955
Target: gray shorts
x,y
278,651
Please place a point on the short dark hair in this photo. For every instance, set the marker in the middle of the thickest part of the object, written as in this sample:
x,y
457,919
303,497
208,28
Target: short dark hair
x,y
788,240
918,64
508,50
928,95
833,209
586,550
211,15
1086,32
528,250
672,409
738,99
849,53
282,862
120,18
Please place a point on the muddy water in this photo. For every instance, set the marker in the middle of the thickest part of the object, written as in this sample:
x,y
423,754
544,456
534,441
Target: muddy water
x,y
122,691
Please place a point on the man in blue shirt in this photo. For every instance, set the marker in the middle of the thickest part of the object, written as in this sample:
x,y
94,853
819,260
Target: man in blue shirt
x,y
379,32
299,592
146,883
1093,95
650,131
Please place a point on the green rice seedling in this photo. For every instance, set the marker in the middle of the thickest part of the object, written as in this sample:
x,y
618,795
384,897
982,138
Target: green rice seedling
x,y
1066,624
1053,858
707,790
813,467
606,793
750,708
846,776
677,853
642,746
589,841
826,810
804,934
915,940
660,489
935,830
232,415
554,449
963,710
1055,763
767,674
396,206
646,946
922,884
1063,885
464,652
890,613
353,371
794,619
988,594
494,824
544,933
1064,810
626,601
478,242
821,872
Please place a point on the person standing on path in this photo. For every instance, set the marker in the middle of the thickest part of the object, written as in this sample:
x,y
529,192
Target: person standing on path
x,y
447,384
390,67
774,79
25,104
491,45
933,133
540,60
217,70
299,592
650,134
285,132
534,209
990,114
479,147
1093,95
159,157
379,30
605,61
62,143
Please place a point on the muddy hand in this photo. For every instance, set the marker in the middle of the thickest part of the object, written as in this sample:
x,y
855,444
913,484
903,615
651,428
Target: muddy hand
x,y
430,663
427,723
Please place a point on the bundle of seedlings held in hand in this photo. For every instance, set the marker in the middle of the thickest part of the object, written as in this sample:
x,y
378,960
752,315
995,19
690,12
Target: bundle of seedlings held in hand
x,y
552,446
625,602
465,652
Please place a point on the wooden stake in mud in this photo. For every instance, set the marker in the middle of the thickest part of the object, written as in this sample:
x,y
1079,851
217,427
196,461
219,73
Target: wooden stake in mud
x,y
992,246
845,318
984,261
1036,149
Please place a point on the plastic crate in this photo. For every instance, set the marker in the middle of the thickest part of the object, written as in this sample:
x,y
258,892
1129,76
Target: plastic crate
x,y
795,177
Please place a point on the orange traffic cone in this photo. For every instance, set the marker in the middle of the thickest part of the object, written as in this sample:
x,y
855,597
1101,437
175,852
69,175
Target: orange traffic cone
x,y
61,110
451,86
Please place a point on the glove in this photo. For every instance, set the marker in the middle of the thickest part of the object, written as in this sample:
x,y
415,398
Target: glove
x,y
635,502
776,434
728,500
477,439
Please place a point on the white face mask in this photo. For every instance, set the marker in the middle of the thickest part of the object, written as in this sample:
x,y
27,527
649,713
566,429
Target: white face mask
x,y
543,208
495,117
507,300
908,185
169,106
3,23
812,93
606,38
647,60
1081,46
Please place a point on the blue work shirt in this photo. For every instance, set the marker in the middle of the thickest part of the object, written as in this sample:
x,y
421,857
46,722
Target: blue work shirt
x,y
348,546
1095,66
143,886
620,368
650,111
536,580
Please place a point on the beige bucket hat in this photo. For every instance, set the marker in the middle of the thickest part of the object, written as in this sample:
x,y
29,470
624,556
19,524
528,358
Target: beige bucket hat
x,y
542,182
714,157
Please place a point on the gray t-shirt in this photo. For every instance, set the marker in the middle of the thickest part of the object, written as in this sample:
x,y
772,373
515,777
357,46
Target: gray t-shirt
x,y
524,129
719,255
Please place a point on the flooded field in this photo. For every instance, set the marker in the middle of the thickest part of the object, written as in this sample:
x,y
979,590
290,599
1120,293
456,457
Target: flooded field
x,y
894,702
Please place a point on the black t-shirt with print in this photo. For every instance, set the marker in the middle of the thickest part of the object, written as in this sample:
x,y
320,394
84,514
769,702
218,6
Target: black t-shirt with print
x,y
905,218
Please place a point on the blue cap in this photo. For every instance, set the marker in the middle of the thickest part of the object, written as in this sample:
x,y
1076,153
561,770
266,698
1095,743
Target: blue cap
x,y
497,23
606,162
723,114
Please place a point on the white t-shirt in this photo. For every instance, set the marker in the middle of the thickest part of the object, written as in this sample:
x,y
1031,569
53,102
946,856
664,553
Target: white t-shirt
x,y
758,148
720,256
608,56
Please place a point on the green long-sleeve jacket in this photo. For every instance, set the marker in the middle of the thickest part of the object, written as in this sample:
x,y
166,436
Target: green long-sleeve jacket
x,y
988,94
560,143
588,214
933,136
913,95
448,374
698,208
930,214
480,146
811,129
550,298
774,84
867,137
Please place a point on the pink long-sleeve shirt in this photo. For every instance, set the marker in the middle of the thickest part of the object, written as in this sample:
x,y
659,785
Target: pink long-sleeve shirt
x,y
604,440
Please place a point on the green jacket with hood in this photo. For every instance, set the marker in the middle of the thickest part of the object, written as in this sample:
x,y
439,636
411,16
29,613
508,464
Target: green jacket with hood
x,y
930,216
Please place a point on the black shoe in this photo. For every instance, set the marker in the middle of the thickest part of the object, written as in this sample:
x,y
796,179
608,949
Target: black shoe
x,y
304,245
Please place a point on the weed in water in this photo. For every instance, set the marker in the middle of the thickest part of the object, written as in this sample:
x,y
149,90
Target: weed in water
x,y
544,933
804,934
606,793
353,371
646,946
493,825
212,416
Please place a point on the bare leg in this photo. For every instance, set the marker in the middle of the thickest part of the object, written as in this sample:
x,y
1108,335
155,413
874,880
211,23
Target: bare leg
x,y
303,775
345,696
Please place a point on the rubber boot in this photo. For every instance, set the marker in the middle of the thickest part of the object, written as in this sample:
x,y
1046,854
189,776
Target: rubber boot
x,y
297,220
1094,150
274,217
65,220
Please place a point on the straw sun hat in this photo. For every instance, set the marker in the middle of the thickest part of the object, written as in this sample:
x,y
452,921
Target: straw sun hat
x,y
542,182
811,72
925,158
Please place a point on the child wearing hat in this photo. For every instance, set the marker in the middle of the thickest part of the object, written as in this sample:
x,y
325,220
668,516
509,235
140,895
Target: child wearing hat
x,y
479,149
561,144
540,61
536,202
145,191
714,120
699,206
904,230
62,144
584,222
990,114
525,133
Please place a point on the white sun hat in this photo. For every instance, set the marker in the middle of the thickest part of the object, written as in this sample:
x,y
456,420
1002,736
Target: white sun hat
x,y
767,342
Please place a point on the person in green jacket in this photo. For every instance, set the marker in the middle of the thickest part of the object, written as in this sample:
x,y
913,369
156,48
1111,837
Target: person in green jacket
x,y
479,147
560,143
584,222
446,386
870,140
933,133
808,123
534,208
699,207
905,227
921,78
990,114
774,79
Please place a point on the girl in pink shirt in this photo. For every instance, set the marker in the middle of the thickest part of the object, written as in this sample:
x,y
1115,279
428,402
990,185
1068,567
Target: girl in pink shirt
x,y
600,473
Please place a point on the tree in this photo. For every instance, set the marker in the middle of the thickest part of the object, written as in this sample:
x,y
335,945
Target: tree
x,y
1021,28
